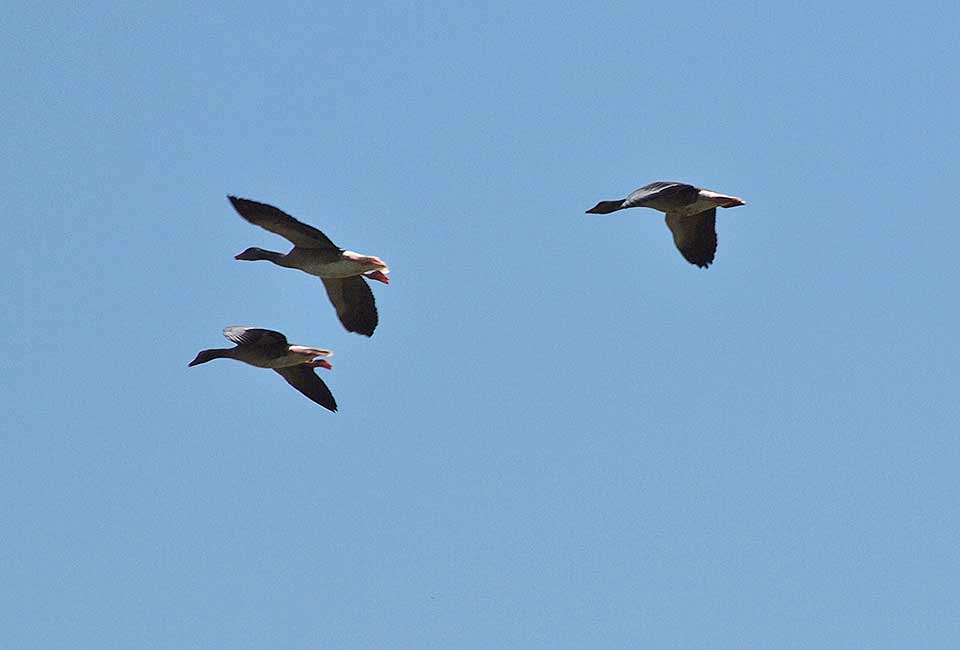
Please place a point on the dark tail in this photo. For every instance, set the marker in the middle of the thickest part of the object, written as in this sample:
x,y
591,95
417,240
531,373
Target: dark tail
x,y
606,207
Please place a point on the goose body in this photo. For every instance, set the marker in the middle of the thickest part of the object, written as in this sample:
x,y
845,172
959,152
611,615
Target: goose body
x,y
691,214
344,273
265,348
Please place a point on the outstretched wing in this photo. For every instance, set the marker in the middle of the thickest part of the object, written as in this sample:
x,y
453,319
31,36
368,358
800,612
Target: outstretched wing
x,y
254,336
695,235
305,380
354,302
280,223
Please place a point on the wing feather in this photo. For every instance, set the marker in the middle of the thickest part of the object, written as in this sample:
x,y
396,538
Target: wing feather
x,y
695,235
254,336
661,192
280,223
354,302
305,380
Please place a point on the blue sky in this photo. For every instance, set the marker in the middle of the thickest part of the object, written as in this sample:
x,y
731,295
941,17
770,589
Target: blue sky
x,y
561,435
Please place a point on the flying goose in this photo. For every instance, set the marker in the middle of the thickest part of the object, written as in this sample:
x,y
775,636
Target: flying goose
x,y
265,348
691,215
341,271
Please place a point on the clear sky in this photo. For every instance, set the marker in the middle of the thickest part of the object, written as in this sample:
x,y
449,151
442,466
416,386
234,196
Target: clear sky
x,y
562,435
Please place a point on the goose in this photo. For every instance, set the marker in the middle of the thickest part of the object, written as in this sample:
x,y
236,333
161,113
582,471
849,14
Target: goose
x,y
343,273
691,215
265,348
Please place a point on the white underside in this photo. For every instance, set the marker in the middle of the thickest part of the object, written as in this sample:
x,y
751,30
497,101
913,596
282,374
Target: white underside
x,y
705,201
349,265
700,205
338,269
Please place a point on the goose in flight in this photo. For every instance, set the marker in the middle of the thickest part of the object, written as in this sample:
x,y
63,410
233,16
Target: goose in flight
x,y
343,273
269,349
691,215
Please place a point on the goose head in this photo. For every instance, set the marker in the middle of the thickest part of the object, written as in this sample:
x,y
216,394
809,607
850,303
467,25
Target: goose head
x,y
208,355
254,253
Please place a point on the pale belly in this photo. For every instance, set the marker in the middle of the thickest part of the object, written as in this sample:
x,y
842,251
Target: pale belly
x,y
340,269
314,264
290,359
698,206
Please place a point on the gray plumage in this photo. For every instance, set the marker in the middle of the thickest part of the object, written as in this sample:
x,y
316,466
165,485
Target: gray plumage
x,y
265,348
343,272
690,215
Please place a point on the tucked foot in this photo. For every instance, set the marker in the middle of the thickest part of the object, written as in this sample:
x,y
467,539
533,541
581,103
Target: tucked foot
x,y
320,363
378,276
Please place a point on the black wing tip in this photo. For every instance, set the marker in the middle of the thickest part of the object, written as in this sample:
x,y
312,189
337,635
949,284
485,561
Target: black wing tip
x,y
326,399
240,204
702,261
309,384
360,316
362,331
329,405
363,323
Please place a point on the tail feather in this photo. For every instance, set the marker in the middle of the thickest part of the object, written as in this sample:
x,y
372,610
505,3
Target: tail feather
x,y
606,207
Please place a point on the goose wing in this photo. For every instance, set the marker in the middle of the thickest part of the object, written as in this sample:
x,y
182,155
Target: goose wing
x,y
280,223
661,192
695,235
254,336
354,302
305,380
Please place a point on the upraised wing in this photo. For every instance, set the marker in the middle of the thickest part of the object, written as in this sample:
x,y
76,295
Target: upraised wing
x,y
254,336
280,223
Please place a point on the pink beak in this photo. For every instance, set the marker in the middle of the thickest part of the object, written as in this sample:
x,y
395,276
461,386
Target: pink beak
x,y
378,276
732,202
